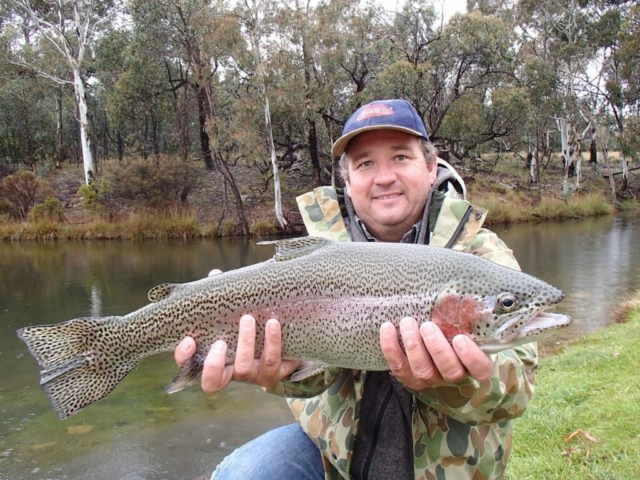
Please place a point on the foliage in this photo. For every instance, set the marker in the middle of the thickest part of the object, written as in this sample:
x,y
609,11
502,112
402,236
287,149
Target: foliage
x,y
160,181
90,196
8,209
50,211
23,190
189,79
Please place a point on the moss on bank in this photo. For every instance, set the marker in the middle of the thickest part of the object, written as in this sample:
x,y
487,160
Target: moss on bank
x,y
582,423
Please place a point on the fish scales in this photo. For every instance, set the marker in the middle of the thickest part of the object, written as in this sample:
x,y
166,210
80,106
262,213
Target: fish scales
x,y
329,297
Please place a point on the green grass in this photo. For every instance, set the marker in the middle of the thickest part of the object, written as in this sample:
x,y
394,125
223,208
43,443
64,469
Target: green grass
x,y
583,422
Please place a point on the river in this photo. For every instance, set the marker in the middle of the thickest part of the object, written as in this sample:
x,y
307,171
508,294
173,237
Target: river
x,y
139,432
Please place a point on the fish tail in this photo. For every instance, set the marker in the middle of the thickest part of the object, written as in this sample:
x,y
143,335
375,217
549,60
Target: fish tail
x,y
79,360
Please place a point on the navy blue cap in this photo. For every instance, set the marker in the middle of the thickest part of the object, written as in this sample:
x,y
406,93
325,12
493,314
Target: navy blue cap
x,y
379,115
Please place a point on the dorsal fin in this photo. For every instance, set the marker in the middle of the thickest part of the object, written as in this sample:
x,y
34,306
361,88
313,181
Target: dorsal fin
x,y
291,248
161,291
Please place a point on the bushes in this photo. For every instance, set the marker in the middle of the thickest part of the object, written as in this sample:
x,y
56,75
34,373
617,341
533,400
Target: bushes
x,y
160,182
21,191
49,211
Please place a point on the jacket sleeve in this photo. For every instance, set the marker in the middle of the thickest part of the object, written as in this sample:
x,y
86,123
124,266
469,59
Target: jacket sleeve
x,y
507,393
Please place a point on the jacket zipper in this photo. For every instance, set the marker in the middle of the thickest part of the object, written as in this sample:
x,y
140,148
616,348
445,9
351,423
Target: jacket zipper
x,y
459,228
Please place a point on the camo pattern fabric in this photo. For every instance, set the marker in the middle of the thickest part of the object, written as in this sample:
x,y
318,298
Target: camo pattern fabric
x,y
460,431
321,214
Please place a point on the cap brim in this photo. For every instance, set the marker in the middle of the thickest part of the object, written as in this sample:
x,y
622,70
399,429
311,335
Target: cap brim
x,y
340,145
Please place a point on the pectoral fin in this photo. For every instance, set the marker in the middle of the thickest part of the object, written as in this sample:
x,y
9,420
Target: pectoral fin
x,y
189,373
306,370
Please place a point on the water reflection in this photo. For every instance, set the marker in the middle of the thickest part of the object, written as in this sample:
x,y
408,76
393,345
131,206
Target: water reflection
x,y
592,260
138,432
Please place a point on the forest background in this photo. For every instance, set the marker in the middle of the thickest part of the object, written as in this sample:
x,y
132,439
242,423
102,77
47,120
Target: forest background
x,y
211,111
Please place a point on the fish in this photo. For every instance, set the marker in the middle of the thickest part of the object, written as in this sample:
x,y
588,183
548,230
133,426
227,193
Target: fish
x,y
330,298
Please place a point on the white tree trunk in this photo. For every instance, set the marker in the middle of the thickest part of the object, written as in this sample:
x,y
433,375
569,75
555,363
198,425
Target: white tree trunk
x,y
276,174
563,127
83,119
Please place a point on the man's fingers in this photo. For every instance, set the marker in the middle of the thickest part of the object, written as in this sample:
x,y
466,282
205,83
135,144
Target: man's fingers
x,y
184,351
444,356
392,351
215,376
271,361
477,363
420,359
244,366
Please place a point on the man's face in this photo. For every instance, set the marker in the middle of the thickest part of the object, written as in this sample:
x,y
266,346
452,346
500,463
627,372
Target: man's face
x,y
388,181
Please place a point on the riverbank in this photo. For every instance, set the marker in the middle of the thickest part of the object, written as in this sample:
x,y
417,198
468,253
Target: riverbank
x,y
74,217
582,423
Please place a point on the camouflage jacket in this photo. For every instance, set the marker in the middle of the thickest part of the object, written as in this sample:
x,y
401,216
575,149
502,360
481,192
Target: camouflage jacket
x,y
460,431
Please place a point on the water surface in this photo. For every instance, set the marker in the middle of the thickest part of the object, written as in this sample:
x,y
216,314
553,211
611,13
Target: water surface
x,y
139,432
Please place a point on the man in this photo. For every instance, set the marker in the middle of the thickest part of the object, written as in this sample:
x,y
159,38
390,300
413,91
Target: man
x,y
444,411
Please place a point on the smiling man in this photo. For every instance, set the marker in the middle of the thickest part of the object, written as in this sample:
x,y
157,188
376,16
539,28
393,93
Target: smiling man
x,y
445,410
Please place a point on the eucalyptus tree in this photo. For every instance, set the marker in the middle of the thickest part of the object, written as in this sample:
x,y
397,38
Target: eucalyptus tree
x,y
256,19
561,31
139,112
198,38
616,31
69,28
449,74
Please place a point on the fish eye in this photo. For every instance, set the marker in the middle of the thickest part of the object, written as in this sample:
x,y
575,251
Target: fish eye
x,y
507,302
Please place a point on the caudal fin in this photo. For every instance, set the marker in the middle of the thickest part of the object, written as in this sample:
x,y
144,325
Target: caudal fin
x,y
80,359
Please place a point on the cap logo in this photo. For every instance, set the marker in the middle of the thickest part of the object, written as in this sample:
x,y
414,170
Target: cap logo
x,y
375,110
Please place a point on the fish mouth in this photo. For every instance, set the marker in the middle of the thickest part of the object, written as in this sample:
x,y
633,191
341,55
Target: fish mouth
x,y
538,327
545,322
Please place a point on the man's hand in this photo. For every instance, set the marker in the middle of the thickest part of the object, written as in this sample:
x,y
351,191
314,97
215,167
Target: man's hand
x,y
430,360
266,371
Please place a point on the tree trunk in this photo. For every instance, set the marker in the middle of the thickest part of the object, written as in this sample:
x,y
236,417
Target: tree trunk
x,y
605,157
59,129
230,181
274,164
563,127
593,153
335,162
313,149
203,114
85,140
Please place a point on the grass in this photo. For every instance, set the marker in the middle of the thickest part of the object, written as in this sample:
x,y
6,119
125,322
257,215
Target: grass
x,y
134,227
513,206
504,192
505,205
583,421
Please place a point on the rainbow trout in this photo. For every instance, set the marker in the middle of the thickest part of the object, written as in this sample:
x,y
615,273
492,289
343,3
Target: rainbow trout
x,y
330,299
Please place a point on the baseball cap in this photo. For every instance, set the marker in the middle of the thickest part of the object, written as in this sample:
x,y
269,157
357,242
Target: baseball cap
x,y
381,114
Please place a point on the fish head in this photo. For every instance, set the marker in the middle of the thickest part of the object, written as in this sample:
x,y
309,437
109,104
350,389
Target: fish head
x,y
496,314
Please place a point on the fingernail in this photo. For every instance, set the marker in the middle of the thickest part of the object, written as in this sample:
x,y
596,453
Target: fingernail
x,y
460,342
428,328
387,329
406,323
185,347
272,325
246,322
218,346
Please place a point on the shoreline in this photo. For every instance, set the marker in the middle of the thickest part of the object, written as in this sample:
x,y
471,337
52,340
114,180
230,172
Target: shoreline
x,y
503,209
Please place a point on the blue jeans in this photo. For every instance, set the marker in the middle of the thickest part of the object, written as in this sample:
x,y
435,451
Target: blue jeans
x,y
285,453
